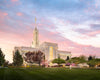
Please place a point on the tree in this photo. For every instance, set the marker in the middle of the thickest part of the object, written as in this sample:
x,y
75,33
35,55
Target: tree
x,y
58,61
34,57
40,56
74,60
6,63
67,58
17,59
90,58
2,58
94,62
77,60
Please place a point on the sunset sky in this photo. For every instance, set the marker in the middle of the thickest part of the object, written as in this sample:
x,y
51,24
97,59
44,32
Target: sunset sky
x,y
73,24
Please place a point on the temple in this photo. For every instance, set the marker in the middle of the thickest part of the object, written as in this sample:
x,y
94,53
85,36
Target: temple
x,y
49,50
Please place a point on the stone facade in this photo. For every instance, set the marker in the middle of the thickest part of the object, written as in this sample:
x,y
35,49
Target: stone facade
x,y
64,54
50,50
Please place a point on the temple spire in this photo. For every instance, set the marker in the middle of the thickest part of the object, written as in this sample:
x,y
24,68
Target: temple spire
x,y
35,23
35,42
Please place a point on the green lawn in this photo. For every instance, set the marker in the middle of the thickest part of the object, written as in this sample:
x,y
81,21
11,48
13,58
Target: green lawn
x,y
48,74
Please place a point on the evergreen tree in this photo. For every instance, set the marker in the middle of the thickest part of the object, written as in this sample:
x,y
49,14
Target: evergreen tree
x,y
17,59
67,58
90,58
2,58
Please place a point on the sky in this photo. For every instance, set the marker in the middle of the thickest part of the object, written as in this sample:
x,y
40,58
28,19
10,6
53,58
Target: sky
x,y
73,24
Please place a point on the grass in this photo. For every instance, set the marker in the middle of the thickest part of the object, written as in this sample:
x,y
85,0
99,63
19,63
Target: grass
x,y
48,74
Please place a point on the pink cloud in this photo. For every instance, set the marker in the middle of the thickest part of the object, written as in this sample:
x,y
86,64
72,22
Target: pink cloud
x,y
68,21
3,17
84,37
14,0
78,49
93,33
19,14
5,14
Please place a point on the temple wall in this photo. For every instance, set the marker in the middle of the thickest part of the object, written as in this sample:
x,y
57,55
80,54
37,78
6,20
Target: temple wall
x,y
50,50
64,54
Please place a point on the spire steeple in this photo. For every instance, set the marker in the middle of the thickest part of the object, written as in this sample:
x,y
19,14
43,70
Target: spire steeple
x,y
35,42
35,24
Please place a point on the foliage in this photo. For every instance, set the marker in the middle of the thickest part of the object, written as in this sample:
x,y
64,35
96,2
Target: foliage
x,y
2,58
90,58
34,57
17,59
6,63
93,62
67,58
78,60
58,61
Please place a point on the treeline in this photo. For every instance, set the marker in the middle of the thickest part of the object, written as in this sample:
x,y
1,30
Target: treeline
x,y
17,60
91,60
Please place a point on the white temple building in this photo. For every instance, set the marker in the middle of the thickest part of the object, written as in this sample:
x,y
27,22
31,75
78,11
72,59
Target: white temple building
x,y
49,49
